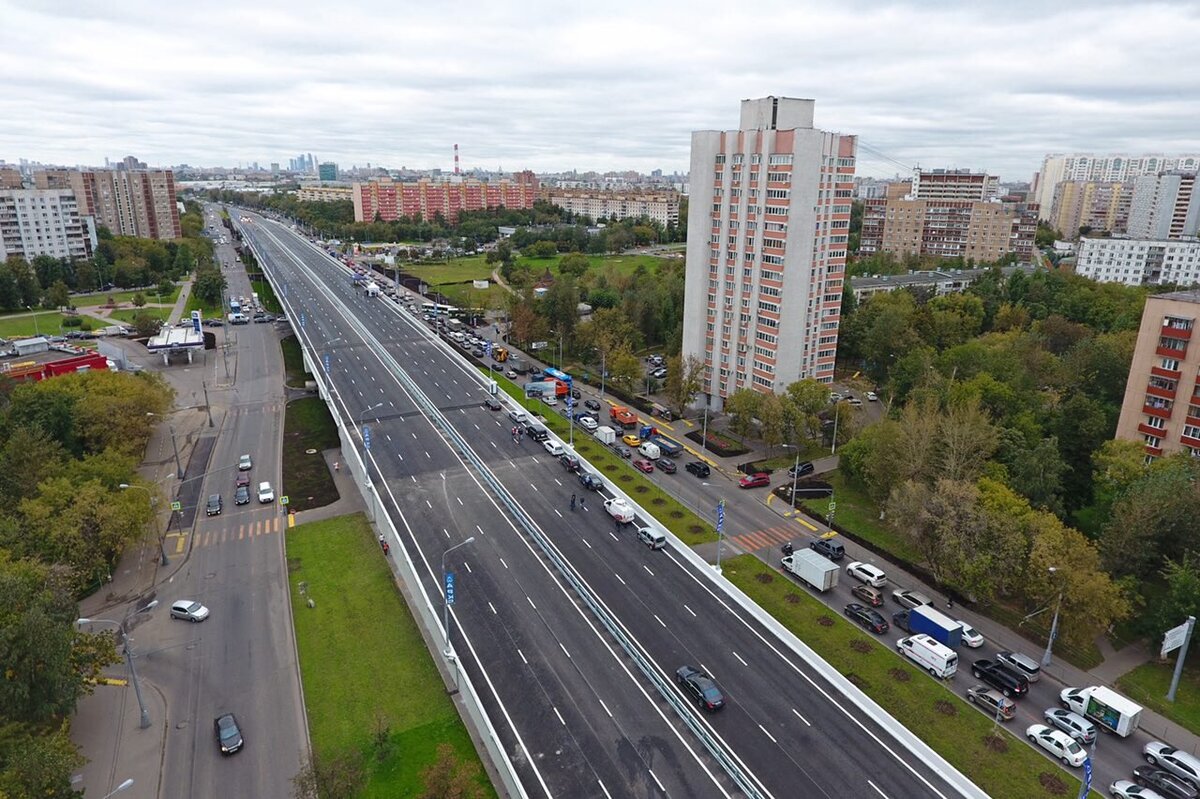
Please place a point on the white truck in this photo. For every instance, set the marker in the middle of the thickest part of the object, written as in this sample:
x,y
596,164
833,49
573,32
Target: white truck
x,y
1106,707
819,572
619,509
372,289
606,435
650,450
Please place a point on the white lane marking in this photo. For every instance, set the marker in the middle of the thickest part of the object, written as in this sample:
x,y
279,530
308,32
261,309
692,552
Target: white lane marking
x,y
493,607
561,720
660,621
477,427
876,787
557,483
502,563
530,601
557,511
522,654
647,568
619,578
385,435
413,477
564,649
689,610
427,455
806,721
430,504
614,538
460,502
739,657
468,565
657,781
398,455
601,782
480,529
493,443
606,710
772,737
446,532
585,543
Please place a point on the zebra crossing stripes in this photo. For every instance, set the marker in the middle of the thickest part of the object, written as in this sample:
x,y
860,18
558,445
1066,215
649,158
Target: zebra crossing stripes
x,y
240,532
767,538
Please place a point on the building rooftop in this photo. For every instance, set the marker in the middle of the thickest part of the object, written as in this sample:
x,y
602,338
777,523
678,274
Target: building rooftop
x,y
1191,295
925,277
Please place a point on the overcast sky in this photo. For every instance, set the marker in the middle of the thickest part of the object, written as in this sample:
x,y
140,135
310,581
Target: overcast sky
x,y
594,85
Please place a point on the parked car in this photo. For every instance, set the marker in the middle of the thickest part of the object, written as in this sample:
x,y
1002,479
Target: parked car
x,y
553,447
1060,745
644,465
1072,724
828,547
970,636
866,618
666,465
1001,677
698,468
265,492
551,401
188,610
908,598
213,508
1180,763
510,374
757,480
492,404
872,596
872,396
229,734
623,452
804,468
589,424
1164,782
590,481
517,417
866,573
1124,789
570,463
700,688
632,439
992,701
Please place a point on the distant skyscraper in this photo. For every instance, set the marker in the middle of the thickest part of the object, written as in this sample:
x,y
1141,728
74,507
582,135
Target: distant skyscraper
x,y
768,226
1165,206
328,171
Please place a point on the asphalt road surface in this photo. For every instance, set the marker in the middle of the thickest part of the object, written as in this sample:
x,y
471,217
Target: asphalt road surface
x,y
576,717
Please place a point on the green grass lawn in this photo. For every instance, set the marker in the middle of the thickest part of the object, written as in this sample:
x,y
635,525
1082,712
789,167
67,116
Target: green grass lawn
x,y
677,518
194,303
126,315
928,708
859,514
307,482
266,296
364,662
102,298
456,270
46,324
293,361
1148,685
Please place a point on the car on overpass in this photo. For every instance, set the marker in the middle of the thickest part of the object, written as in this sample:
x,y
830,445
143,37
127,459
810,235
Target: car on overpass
x,y
701,688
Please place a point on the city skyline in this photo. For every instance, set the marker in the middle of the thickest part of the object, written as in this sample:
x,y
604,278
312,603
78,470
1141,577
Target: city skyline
x,y
991,87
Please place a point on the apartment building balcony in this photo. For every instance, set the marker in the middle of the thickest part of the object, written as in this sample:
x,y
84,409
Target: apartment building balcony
x,y
1146,429
1171,352
1164,393
1161,413
1189,441
1155,451
1182,333
1168,374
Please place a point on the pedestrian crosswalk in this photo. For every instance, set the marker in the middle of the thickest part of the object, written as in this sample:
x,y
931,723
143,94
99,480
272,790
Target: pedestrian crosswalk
x,y
767,538
238,532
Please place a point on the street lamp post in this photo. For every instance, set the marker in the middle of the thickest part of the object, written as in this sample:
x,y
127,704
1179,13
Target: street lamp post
x,y
129,656
364,412
174,445
127,784
36,331
1053,624
704,431
795,473
162,539
836,415
448,651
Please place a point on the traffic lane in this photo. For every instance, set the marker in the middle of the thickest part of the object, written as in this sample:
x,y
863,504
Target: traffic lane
x,y
545,669
665,605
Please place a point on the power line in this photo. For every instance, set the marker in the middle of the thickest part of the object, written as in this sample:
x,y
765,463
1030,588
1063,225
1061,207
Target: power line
x,y
885,157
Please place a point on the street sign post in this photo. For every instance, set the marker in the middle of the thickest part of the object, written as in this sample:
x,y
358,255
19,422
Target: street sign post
x,y
449,588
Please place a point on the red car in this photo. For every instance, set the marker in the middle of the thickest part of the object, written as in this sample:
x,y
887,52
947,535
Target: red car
x,y
755,480
644,465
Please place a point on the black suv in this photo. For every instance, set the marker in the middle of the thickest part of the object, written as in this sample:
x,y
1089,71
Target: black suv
x,y
699,469
590,481
700,687
829,548
1000,677
804,468
492,404
538,433
213,507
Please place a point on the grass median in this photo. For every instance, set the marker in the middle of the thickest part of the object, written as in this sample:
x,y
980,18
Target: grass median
x,y
371,690
308,430
1002,766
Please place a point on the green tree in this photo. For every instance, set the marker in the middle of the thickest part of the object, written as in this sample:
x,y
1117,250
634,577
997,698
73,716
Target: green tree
x,y
576,264
742,407
773,420
146,324
1036,473
560,306
966,439
804,400
685,377
37,762
624,368
138,300
450,778
941,521
208,286
541,249
1154,518
58,296
1180,600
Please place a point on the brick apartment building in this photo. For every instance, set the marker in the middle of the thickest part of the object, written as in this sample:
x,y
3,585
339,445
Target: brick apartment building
x,y
390,200
129,202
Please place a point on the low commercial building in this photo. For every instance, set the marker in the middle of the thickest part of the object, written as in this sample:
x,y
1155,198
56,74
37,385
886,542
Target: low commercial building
x,y
1139,262
949,281
660,206
324,194
1162,396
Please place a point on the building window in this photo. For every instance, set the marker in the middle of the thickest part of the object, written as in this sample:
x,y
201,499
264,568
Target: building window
x,y
779,159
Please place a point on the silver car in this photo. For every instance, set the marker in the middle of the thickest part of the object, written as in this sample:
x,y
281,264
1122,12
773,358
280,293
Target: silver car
x,y
1178,762
1072,724
188,610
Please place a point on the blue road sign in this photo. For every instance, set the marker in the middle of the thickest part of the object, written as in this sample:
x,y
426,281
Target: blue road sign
x,y
720,516
326,359
449,588
488,349
196,321
1087,778
301,320
367,437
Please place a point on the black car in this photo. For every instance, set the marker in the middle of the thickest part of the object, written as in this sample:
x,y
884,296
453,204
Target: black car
x,y
229,735
1000,677
800,470
569,462
492,404
866,618
624,452
213,507
699,469
591,405
242,495
700,687
1165,783
665,465
538,433
590,481
575,393
829,548
900,619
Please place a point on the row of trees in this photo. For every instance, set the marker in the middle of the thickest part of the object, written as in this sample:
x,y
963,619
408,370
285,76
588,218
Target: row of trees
x,y
66,446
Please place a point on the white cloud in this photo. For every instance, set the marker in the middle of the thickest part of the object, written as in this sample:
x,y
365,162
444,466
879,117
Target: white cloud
x,y
615,85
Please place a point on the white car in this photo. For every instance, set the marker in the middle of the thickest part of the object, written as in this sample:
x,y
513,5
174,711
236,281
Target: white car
x,y
970,636
619,510
588,423
872,396
1178,762
866,573
551,401
1124,789
553,447
1060,745
189,610
265,492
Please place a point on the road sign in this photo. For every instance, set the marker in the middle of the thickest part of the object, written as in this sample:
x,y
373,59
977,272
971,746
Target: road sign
x,y
1174,639
720,516
449,588
538,345
326,359
367,437
488,349
196,321
832,506
1087,778
177,505
283,500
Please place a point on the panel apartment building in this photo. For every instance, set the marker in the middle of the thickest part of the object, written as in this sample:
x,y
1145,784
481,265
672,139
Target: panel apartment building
x,y
1101,205
1139,262
37,222
1110,168
660,206
129,202
768,221
390,200
948,214
1162,396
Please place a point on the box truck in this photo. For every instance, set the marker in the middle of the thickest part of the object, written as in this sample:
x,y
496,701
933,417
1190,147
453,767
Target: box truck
x,y
1106,707
669,447
606,435
811,568
937,625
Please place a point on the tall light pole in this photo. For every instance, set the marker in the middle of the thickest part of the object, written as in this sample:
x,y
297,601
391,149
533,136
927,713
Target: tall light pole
x,y
36,332
364,412
127,784
795,473
174,445
1053,624
129,657
162,539
447,600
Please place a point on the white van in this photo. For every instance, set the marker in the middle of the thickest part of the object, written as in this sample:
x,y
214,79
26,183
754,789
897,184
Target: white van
x,y
651,538
650,450
938,659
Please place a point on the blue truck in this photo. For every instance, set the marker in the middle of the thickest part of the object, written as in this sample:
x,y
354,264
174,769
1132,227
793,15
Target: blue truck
x,y
937,625
668,446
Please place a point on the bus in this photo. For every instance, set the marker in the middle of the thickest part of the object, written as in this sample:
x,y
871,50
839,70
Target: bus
x,y
558,375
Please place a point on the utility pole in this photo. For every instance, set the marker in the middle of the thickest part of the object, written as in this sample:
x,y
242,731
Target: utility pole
x,y
207,407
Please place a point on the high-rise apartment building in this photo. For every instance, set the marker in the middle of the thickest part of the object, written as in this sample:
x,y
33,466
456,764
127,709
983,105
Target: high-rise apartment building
x,y
1139,262
953,184
37,222
1162,396
768,222
1165,206
1096,204
1109,168
10,178
129,202
389,200
661,206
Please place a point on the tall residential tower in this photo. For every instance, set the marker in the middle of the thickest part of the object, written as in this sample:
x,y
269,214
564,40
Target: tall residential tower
x,y
768,225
